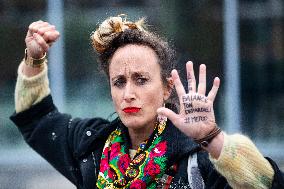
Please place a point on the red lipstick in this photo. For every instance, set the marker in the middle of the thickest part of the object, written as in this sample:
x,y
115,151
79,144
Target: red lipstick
x,y
131,110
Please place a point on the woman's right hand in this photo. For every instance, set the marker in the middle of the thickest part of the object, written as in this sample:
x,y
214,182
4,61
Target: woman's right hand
x,y
39,38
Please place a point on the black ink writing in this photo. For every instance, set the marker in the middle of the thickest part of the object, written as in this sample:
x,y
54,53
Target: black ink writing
x,y
187,105
195,119
193,110
196,97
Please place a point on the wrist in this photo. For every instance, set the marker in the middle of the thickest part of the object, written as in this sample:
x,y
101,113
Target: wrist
x,y
215,147
206,140
34,62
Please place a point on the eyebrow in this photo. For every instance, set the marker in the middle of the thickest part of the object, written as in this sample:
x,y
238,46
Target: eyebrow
x,y
134,73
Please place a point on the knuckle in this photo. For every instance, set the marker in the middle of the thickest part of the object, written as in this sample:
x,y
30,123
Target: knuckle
x,y
31,27
41,30
48,34
45,34
33,23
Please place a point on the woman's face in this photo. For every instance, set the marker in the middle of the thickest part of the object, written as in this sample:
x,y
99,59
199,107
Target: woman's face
x,y
136,87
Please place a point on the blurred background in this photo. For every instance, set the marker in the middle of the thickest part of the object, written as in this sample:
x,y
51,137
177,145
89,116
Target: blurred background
x,y
242,42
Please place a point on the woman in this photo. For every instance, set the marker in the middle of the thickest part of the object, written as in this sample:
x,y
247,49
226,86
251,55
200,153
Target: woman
x,y
148,145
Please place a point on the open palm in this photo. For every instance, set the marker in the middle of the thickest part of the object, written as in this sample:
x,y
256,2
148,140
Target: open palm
x,y
196,116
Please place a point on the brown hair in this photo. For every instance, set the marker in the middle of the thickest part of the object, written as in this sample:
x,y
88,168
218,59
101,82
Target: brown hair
x,y
115,32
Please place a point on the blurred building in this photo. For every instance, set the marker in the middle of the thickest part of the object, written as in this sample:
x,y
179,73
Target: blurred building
x,y
195,28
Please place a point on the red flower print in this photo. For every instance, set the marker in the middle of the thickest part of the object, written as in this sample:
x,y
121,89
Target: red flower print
x,y
151,169
123,163
111,174
115,149
138,184
104,161
105,152
104,165
159,150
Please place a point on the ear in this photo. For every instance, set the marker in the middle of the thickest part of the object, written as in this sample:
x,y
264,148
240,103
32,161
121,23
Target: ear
x,y
168,88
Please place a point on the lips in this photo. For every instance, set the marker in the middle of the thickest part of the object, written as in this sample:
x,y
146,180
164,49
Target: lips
x,y
131,110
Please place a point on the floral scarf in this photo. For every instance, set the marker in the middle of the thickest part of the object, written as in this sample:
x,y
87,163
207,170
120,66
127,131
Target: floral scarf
x,y
117,170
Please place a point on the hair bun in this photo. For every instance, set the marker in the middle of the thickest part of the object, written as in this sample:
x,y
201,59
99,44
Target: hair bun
x,y
110,28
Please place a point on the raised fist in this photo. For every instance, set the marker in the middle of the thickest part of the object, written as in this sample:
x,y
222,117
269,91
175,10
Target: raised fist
x,y
39,38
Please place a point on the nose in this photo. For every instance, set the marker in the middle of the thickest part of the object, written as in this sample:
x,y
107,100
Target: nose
x,y
129,92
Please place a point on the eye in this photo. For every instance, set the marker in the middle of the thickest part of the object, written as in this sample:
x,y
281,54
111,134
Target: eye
x,y
141,80
119,82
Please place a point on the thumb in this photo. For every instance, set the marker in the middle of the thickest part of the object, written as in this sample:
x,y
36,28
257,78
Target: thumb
x,y
168,113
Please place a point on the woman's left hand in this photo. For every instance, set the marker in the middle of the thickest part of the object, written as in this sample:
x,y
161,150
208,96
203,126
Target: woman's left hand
x,y
196,116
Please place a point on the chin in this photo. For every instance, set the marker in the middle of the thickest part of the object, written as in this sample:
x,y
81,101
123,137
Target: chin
x,y
134,123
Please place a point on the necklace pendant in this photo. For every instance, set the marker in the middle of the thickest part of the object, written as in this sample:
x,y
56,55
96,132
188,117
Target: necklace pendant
x,y
139,158
132,173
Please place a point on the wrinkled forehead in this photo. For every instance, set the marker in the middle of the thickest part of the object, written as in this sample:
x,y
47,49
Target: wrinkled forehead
x,y
134,59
